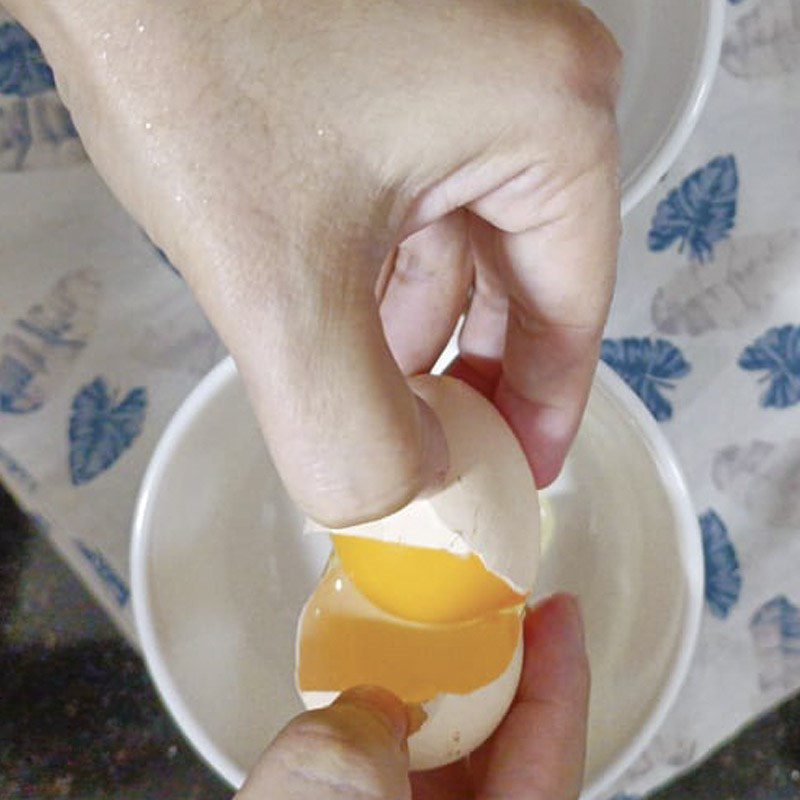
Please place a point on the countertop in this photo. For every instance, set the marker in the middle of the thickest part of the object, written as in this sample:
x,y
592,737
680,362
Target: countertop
x,y
79,717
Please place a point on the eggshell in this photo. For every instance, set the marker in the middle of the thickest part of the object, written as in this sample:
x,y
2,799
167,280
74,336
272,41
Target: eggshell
x,y
457,724
488,503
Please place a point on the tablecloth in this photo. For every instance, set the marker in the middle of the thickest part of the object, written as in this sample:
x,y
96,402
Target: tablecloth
x,y
101,341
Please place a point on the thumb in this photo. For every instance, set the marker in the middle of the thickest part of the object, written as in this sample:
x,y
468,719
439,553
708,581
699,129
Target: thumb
x,y
353,748
350,440
348,437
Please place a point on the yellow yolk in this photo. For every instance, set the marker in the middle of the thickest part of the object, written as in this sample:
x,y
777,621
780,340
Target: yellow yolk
x,y
344,641
422,584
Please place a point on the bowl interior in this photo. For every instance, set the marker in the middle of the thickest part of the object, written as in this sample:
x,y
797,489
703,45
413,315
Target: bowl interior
x,y
670,54
220,572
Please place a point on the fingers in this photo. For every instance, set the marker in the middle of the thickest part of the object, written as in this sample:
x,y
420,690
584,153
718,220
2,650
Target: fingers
x,y
427,292
538,752
452,782
483,335
545,416
557,261
355,748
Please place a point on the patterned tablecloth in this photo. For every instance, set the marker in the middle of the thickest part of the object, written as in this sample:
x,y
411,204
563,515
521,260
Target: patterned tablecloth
x,y
101,341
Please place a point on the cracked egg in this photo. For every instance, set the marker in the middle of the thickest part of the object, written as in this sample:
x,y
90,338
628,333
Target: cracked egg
x,y
428,602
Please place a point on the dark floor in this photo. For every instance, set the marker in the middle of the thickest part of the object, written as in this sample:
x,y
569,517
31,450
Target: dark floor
x,y
79,717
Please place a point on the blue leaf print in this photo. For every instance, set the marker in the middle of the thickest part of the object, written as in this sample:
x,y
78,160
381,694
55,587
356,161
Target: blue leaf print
x,y
775,629
700,212
44,343
106,572
723,577
18,472
16,380
101,429
23,70
647,366
777,353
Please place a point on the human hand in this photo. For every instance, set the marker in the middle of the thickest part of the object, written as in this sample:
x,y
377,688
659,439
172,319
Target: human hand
x,y
356,747
323,172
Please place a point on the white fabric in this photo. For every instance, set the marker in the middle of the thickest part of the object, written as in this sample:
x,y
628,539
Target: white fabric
x,y
706,273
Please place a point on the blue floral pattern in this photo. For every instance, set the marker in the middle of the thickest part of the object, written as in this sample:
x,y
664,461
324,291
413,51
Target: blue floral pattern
x,y
763,43
649,367
23,70
777,354
775,630
17,472
101,428
723,576
42,345
700,212
106,572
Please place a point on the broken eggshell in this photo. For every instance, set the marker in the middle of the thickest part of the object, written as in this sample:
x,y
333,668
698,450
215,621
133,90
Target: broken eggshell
x,y
456,725
487,505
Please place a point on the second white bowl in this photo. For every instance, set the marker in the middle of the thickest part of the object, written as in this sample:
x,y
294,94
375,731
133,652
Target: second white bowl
x,y
671,51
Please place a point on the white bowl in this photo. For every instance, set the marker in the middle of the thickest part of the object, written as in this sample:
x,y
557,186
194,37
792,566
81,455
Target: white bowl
x,y
671,51
220,571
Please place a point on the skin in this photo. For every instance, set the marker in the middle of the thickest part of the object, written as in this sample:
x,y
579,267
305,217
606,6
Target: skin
x,y
338,181
355,749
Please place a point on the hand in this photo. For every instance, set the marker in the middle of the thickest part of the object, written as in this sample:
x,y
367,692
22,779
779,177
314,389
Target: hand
x,y
331,178
356,747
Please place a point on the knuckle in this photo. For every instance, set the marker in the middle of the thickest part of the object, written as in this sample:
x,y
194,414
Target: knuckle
x,y
411,269
327,754
371,493
314,726
594,56
601,37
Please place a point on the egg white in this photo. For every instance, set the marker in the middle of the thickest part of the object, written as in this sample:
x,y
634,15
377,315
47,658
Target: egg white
x,y
487,505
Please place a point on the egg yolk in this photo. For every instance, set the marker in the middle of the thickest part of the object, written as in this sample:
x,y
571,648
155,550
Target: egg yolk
x,y
421,584
345,640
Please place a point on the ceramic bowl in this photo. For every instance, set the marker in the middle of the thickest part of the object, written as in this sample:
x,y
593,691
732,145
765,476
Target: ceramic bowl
x,y
220,571
671,51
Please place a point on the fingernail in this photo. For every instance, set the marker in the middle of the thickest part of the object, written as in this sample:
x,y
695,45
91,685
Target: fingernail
x,y
383,704
416,717
436,458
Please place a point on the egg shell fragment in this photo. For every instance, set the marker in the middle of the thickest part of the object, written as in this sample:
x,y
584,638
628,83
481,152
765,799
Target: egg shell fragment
x,y
488,502
487,505
456,724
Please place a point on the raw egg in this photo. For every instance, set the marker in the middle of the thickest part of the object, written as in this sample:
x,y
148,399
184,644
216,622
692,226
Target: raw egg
x,y
428,602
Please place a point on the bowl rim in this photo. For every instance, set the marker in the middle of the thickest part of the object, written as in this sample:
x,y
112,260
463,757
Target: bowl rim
x,y
687,533
647,175
207,388
689,539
